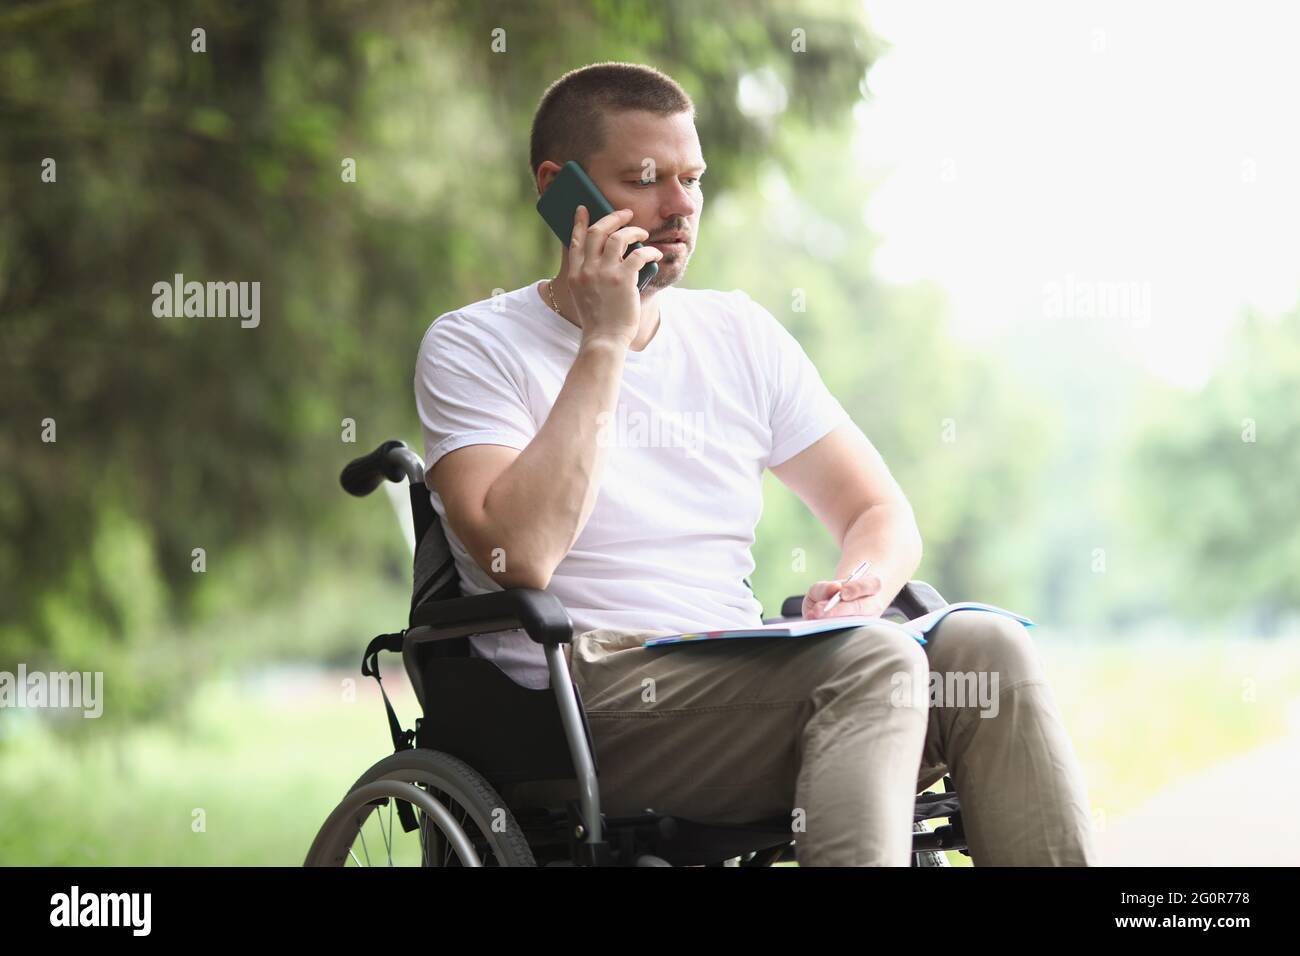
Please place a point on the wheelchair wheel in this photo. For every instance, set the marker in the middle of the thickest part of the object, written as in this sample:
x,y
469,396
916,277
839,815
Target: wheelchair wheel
x,y
928,857
459,818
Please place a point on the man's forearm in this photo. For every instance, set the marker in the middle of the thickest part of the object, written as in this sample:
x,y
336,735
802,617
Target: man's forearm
x,y
540,503
887,536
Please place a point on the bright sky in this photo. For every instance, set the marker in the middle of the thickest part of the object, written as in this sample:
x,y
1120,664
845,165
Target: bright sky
x,y
1035,158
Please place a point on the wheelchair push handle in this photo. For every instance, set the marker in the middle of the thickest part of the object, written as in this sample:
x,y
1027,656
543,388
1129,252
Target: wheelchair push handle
x,y
392,460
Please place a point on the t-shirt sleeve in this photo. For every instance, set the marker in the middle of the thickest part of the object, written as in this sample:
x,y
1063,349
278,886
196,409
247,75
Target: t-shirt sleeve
x,y
467,392
801,409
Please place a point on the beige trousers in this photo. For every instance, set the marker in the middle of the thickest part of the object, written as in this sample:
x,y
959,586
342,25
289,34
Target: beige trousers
x,y
840,732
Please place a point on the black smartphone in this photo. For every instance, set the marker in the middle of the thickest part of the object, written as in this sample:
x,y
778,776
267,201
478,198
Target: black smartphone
x,y
571,188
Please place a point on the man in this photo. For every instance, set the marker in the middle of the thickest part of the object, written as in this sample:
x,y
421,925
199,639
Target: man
x,y
608,445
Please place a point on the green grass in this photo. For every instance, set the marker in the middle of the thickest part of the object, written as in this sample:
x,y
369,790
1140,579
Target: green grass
x,y
1145,713
264,761
267,759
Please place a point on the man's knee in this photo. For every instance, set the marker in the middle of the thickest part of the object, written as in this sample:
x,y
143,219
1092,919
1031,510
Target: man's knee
x,y
984,642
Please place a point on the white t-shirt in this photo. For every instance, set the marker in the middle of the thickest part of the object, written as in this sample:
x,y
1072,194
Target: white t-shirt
x,y
720,392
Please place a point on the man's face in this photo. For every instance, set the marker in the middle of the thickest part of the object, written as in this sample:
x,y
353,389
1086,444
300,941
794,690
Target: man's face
x,y
652,165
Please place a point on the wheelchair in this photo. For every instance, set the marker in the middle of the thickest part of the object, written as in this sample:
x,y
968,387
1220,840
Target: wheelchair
x,y
481,735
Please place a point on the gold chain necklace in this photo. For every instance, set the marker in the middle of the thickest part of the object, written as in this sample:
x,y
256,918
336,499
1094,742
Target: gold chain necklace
x,y
550,291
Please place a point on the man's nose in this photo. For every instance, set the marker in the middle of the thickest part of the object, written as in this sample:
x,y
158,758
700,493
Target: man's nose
x,y
679,202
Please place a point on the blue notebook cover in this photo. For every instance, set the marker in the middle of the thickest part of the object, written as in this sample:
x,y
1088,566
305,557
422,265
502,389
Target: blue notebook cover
x,y
917,627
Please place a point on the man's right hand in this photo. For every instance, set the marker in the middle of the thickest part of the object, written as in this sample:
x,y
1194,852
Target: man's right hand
x,y
603,284
858,598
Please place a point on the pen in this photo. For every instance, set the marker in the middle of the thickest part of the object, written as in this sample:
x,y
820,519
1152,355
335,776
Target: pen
x,y
835,598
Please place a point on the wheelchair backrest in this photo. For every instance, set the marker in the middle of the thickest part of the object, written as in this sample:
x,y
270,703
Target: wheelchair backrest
x,y
434,575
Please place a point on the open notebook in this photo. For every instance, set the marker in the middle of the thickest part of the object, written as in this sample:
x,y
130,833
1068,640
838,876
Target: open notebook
x,y
917,627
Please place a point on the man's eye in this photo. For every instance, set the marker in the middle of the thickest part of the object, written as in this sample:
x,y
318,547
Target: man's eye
x,y
689,181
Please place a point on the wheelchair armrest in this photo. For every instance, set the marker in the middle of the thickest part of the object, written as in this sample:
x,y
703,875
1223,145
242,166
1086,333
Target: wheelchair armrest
x,y
916,598
539,613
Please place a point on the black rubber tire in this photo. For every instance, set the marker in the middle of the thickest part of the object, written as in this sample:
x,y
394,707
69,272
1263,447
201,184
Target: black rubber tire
x,y
463,784
927,857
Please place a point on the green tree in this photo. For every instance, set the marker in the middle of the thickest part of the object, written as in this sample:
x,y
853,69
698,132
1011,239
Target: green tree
x,y
227,164
1215,488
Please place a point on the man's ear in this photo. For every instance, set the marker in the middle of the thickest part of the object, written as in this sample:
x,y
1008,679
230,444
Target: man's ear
x,y
544,177
546,173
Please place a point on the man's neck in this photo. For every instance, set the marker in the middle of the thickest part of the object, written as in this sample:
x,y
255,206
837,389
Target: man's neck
x,y
646,331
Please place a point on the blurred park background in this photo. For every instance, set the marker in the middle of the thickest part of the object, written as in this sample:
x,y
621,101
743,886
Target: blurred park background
x,y
1047,260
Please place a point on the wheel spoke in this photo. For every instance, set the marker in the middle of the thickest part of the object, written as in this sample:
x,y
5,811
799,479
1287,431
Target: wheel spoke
x,y
388,838
446,843
425,860
383,836
361,832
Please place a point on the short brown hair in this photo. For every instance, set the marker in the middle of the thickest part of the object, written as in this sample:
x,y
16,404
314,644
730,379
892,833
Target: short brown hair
x,y
569,120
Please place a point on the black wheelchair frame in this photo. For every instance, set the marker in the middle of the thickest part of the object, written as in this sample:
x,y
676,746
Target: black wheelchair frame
x,y
550,739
